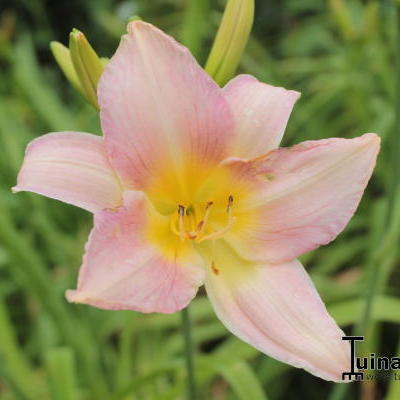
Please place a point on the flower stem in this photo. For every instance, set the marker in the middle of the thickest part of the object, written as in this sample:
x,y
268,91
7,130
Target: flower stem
x,y
189,353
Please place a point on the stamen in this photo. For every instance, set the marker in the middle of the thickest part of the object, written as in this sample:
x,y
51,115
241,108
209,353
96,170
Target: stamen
x,y
221,232
202,224
229,207
230,202
194,232
181,212
231,222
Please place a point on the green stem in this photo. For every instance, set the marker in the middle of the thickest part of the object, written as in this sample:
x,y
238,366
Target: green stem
x,y
189,353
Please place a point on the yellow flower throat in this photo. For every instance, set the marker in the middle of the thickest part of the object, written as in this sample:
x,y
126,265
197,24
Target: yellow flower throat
x,y
197,206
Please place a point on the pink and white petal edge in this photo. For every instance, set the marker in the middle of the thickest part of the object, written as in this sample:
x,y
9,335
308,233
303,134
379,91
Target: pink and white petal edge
x,y
276,309
71,167
122,270
261,113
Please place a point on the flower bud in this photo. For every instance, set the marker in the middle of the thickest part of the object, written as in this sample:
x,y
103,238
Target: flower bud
x,y
63,58
134,18
87,64
231,40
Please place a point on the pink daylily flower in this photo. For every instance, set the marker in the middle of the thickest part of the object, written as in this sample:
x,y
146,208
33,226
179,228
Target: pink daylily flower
x,y
189,187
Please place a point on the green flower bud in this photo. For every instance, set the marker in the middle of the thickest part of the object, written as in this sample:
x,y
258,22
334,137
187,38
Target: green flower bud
x,y
87,64
63,59
231,40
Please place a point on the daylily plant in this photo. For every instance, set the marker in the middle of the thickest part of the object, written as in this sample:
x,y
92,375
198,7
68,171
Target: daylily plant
x,y
189,187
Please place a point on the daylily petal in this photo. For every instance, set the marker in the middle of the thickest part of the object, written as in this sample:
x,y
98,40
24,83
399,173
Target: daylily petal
x,y
276,309
71,167
159,110
260,112
123,269
303,196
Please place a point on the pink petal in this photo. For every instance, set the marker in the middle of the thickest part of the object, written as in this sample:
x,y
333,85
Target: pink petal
x,y
276,309
159,109
261,113
306,196
71,167
123,269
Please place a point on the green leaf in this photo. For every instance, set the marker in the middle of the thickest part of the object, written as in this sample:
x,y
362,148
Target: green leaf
x,y
385,309
242,379
60,365
11,356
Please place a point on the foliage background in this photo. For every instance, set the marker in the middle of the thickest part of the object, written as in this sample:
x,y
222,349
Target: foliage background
x,y
341,55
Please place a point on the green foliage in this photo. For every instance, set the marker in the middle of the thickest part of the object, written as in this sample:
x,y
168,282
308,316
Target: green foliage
x,y
339,54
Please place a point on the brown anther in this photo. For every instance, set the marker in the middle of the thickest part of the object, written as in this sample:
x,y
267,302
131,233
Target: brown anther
x,y
230,202
214,269
209,204
181,210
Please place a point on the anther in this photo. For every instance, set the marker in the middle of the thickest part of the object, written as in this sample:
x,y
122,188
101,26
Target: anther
x,y
230,202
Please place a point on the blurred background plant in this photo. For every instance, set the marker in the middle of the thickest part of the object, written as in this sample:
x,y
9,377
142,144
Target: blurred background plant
x,y
341,55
